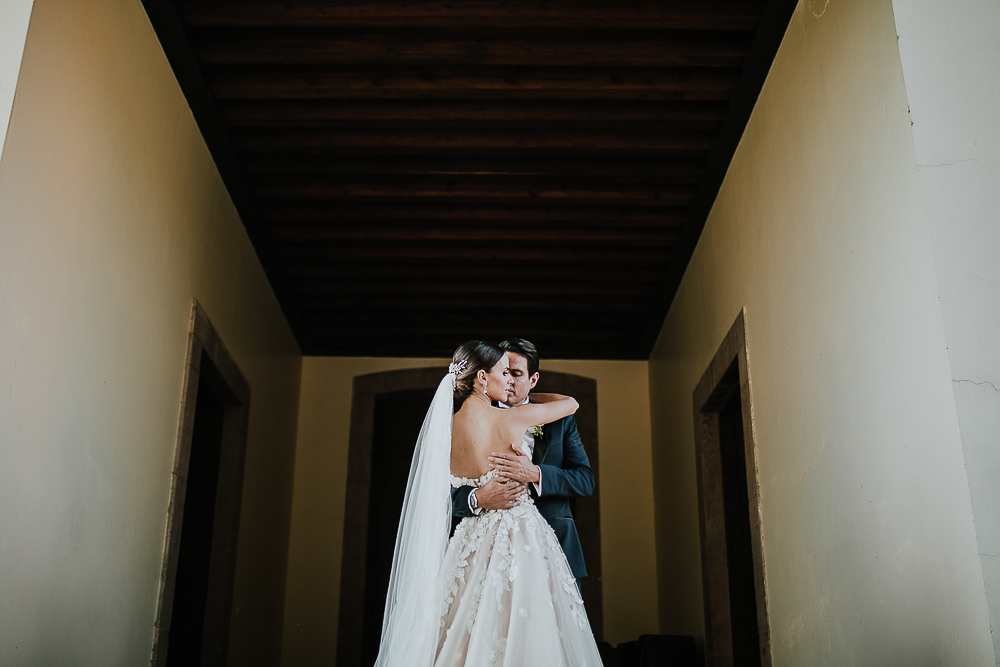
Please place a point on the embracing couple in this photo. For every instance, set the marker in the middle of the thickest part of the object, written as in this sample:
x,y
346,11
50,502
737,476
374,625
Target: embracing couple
x,y
504,589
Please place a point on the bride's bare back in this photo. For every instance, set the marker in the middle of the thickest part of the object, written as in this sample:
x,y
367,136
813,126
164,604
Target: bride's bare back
x,y
478,429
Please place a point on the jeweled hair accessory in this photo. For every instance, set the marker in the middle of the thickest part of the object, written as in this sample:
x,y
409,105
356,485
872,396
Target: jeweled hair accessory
x,y
454,370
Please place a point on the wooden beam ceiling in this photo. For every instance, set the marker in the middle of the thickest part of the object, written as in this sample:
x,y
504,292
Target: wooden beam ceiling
x,y
415,174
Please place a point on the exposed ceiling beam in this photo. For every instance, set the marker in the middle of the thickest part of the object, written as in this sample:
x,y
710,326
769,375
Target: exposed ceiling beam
x,y
455,112
532,210
474,14
509,254
607,235
626,83
478,141
407,48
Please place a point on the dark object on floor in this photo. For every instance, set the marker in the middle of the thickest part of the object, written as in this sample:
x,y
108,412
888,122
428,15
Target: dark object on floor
x,y
609,656
651,651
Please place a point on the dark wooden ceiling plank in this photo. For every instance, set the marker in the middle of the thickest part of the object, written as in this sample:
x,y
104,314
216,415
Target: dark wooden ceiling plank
x,y
278,82
308,234
597,125
540,181
484,316
499,198
416,274
409,48
566,153
505,289
496,196
437,347
442,343
513,302
398,112
281,183
483,330
345,230
332,189
473,14
536,212
507,253
387,140
473,165
550,243
477,168
498,327
485,323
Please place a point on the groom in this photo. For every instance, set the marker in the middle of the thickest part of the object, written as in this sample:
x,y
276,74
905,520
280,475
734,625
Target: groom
x,y
557,470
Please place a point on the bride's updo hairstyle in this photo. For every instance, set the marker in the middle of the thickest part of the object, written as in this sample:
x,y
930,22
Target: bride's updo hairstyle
x,y
469,359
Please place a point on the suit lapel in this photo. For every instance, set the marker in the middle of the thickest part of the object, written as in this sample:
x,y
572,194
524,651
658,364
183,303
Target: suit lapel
x,y
542,446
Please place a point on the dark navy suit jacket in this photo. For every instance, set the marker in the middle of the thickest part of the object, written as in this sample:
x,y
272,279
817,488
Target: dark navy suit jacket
x,y
566,474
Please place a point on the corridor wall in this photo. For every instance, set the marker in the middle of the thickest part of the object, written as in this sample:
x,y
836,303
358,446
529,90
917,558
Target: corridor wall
x,y
950,57
819,232
14,15
627,543
113,219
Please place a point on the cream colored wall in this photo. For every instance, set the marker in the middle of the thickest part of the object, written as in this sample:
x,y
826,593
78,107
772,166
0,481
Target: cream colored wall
x,y
313,588
950,56
112,219
819,230
14,15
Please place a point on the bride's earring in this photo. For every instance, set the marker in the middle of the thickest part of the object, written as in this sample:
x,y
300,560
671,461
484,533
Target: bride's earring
x,y
484,388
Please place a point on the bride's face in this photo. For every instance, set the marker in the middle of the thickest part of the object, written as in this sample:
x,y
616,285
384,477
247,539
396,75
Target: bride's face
x,y
499,383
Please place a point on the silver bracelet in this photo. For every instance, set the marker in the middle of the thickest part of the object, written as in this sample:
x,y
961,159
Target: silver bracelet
x,y
473,501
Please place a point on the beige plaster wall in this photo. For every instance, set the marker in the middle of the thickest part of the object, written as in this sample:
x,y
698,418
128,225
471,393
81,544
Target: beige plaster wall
x,y
628,549
112,219
14,15
951,55
819,231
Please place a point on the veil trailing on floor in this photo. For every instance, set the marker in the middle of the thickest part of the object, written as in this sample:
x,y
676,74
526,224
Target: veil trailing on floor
x,y
412,614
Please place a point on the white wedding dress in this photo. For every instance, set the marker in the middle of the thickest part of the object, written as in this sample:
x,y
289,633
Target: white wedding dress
x,y
509,597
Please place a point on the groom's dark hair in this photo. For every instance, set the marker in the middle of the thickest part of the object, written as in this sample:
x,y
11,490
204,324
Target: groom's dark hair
x,y
525,348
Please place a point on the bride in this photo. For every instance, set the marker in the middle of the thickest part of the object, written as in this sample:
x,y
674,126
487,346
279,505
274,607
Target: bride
x,y
500,592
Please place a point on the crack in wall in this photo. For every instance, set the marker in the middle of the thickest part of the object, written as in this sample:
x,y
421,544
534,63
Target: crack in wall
x,y
948,164
979,383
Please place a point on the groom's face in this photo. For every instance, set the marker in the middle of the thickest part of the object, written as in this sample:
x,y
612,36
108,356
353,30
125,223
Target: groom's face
x,y
523,383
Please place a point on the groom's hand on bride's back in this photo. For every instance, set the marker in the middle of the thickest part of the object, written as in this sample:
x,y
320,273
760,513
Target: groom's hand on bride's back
x,y
498,494
515,466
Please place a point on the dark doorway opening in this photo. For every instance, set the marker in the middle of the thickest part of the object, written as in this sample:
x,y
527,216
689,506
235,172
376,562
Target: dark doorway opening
x,y
397,420
736,508
736,629
187,622
196,587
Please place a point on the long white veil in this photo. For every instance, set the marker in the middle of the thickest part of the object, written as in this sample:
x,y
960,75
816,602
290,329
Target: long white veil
x,y
410,625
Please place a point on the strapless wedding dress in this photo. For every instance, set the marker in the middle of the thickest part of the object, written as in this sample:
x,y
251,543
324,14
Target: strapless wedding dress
x,y
509,597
